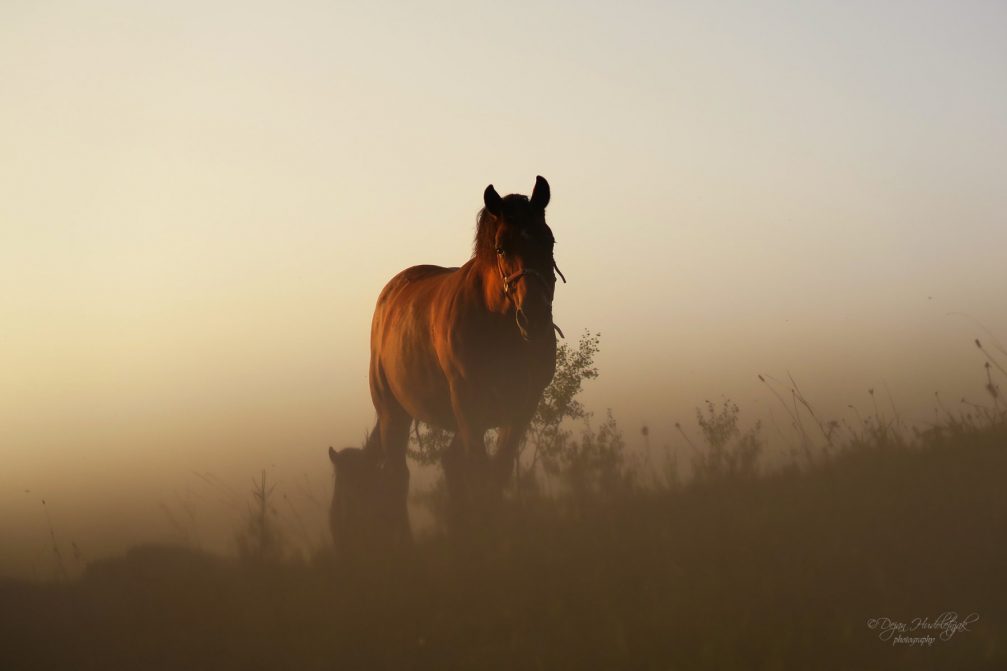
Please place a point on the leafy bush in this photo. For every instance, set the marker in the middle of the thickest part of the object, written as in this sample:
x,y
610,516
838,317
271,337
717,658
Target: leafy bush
x,y
730,452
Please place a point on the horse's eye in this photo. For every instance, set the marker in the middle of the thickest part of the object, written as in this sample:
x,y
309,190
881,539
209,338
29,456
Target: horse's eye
x,y
500,251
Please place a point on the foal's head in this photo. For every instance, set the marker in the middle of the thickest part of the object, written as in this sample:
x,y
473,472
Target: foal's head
x,y
514,242
356,498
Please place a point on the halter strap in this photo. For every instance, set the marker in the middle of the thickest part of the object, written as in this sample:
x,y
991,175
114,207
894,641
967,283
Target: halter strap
x,y
510,280
508,286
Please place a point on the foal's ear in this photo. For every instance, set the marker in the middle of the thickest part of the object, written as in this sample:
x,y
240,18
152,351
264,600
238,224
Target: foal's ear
x,y
333,455
540,196
492,199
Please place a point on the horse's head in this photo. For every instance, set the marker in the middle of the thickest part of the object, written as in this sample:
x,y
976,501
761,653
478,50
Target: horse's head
x,y
513,240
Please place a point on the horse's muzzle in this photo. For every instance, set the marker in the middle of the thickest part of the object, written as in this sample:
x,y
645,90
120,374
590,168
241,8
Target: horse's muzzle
x,y
537,321
521,318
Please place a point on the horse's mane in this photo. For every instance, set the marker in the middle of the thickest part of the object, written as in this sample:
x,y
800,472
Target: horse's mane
x,y
487,224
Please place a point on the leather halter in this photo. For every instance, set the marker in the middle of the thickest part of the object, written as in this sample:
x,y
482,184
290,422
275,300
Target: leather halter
x,y
509,283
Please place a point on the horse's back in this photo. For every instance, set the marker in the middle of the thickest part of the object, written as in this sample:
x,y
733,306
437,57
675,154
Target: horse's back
x,y
404,357
410,277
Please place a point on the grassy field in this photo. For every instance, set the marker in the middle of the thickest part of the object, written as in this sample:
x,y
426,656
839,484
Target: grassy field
x,y
778,571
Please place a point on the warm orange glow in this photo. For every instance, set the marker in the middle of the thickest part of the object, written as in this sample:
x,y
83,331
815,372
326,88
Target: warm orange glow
x,y
198,207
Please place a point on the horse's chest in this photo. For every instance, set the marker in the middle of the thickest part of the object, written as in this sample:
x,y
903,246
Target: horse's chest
x,y
515,381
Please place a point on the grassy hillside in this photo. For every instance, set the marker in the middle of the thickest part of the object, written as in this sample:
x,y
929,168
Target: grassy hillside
x,y
735,572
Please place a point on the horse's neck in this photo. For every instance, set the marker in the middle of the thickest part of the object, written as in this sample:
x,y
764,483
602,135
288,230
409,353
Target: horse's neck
x,y
486,276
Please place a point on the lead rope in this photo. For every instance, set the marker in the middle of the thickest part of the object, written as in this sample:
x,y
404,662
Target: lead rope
x,y
563,277
556,268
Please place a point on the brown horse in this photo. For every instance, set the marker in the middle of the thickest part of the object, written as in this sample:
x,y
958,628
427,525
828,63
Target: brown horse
x,y
466,349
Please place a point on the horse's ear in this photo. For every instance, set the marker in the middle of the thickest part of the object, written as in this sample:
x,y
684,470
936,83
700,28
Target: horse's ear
x,y
492,199
540,196
333,455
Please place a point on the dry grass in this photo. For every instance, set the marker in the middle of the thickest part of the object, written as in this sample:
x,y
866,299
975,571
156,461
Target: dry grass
x,y
740,567
773,572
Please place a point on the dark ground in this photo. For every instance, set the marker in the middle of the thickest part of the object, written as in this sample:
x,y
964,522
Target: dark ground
x,y
780,572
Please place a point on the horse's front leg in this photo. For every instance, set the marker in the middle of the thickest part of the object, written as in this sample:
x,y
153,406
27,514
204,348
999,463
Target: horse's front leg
x,y
505,460
465,463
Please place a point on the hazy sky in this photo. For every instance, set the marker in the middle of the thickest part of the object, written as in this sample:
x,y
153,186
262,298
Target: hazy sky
x,y
199,203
